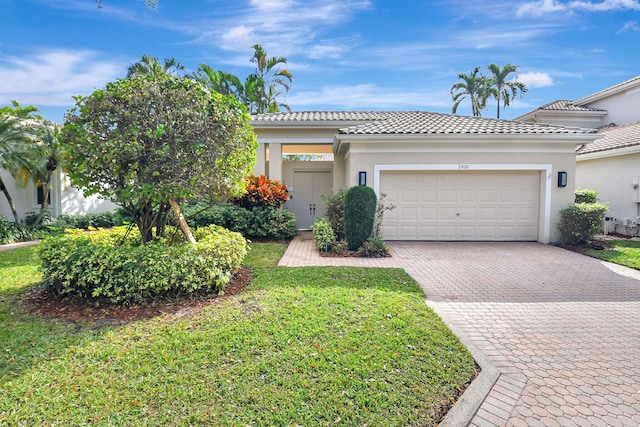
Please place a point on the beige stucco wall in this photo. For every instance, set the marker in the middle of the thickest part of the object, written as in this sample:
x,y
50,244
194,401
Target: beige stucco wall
x,y
622,107
612,178
560,156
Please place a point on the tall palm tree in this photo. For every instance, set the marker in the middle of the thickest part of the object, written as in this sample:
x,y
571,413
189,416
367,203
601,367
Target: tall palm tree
x,y
14,136
150,65
272,81
472,86
40,161
500,88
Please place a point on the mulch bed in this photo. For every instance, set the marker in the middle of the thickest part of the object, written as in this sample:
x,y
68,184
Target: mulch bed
x,y
41,303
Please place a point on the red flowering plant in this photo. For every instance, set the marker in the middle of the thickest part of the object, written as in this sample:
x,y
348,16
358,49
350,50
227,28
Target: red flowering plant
x,y
261,191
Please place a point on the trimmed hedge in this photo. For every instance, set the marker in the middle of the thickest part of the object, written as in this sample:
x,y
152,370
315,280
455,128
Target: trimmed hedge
x,y
359,214
112,264
258,222
586,196
580,222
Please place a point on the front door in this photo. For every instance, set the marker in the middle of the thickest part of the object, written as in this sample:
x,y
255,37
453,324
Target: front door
x,y
306,201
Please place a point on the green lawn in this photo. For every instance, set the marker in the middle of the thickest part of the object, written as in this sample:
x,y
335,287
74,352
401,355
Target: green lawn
x,y
624,252
304,346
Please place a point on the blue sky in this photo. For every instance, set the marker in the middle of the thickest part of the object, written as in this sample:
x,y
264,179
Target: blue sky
x,y
344,54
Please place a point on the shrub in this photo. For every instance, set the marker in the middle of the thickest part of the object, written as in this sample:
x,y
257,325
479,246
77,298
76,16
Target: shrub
x,y
9,231
266,222
335,212
323,236
112,264
381,208
359,214
97,220
580,222
262,192
586,196
374,247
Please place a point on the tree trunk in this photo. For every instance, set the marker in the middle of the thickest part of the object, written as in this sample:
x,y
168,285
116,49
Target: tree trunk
x,y
182,222
145,222
10,201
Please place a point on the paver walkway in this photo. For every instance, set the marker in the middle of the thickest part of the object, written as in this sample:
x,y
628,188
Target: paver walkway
x,y
556,333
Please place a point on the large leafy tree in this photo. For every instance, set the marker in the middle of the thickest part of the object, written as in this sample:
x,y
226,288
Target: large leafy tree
x,y
472,86
262,90
15,138
501,89
149,142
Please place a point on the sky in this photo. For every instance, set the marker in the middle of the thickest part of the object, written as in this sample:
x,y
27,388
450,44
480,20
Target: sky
x,y
343,54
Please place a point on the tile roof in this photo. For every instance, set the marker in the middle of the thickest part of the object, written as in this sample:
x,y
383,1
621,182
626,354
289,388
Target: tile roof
x,y
318,116
559,105
420,122
414,122
614,137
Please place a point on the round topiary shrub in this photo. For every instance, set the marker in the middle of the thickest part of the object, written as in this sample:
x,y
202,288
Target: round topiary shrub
x,y
113,264
359,214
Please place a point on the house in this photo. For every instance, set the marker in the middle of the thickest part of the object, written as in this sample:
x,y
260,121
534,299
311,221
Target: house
x,y
611,165
63,198
449,177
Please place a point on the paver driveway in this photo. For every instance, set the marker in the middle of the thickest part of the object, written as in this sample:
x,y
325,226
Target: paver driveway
x,y
557,333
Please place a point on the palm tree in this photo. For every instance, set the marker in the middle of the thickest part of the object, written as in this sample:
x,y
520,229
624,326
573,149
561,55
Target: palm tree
x,y
40,160
500,88
472,86
149,65
14,135
274,81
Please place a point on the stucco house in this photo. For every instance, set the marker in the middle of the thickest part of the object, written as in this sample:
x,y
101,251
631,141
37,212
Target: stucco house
x,y
449,177
611,165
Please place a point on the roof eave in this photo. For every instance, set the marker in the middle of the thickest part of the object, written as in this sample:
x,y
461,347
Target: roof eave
x,y
608,92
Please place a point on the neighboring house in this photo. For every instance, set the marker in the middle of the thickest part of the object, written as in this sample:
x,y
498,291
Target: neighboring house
x,y
449,177
64,198
611,165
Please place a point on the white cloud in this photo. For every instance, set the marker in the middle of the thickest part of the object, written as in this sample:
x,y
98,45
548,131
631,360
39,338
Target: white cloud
x,y
534,79
629,26
542,7
52,77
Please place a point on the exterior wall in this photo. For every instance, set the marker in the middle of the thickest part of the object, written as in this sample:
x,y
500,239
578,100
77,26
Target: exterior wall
x,y
558,157
612,178
24,199
572,120
622,107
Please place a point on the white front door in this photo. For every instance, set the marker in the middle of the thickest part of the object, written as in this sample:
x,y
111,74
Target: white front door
x,y
306,201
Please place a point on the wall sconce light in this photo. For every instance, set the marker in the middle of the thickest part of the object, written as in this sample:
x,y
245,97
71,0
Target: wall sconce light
x,y
562,179
362,178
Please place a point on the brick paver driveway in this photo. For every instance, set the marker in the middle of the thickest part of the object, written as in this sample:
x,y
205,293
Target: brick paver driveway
x,y
556,333
561,330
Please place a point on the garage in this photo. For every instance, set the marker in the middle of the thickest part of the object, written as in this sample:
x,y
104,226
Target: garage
x,y
462,205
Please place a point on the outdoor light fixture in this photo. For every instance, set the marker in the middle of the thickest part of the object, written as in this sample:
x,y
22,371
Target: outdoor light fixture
x,y
362,178
562,179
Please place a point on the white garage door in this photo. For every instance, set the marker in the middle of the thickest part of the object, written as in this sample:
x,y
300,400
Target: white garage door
x,y
466,205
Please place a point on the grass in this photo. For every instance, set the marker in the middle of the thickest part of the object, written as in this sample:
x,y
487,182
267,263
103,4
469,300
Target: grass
x,y
300,346
624,252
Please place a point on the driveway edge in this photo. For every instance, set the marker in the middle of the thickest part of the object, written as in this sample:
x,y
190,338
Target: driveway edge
x,y
463,411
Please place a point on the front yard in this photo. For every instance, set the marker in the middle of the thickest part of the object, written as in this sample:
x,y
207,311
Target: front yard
x,y
623,252
301,346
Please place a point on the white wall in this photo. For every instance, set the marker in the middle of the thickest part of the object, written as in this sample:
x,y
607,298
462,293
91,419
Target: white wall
x,y
622,107
612,178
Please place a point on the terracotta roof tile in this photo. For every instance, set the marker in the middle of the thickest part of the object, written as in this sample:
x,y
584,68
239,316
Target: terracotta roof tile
x,y
313,116
614,137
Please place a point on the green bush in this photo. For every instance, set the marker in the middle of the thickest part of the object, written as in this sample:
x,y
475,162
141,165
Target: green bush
x,y
374,247
323,236
335,212
586,196
359,215
9,231
580,222
112,264
258,222
96,220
